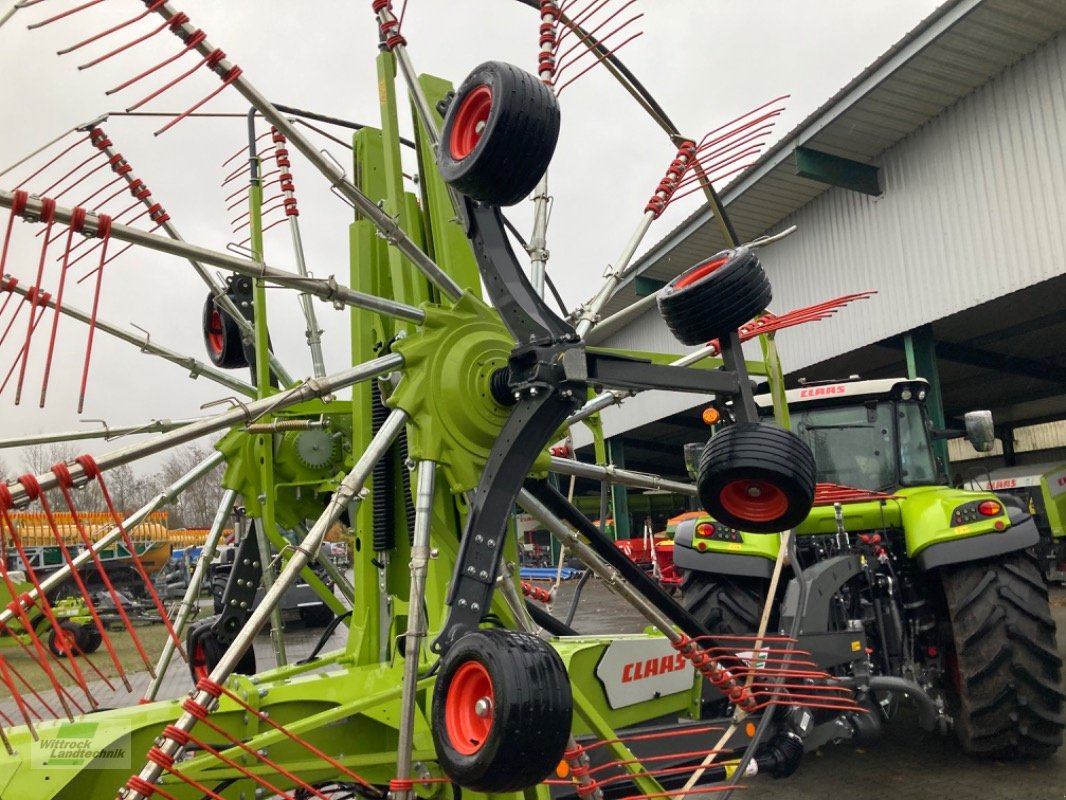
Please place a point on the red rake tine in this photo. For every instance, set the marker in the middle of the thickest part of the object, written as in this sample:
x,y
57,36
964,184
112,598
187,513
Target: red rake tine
x,y
90,467
42,598
22,350
48,215
65,483
42,653
104,230
5,677
63,15
152,8
29,483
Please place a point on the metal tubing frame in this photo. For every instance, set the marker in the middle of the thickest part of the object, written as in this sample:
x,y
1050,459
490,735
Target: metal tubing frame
x,y
187,608
145,344
331,171
218,290
325,289
351,490
611,474
416,620
243,412
106,432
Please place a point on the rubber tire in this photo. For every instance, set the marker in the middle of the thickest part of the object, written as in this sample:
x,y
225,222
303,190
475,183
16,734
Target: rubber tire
x,y
316,616
516,144
728,605
532,712
222,337
205,651
92,639
1006,696
757,451
73,630
714,297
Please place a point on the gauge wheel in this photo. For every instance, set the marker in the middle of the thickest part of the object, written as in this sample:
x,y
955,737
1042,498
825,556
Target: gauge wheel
x,y
206,650
715,296
222,337
499,134
757,477
501,711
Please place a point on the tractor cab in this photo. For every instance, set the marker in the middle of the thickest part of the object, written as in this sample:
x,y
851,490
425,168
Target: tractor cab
x,y
874,435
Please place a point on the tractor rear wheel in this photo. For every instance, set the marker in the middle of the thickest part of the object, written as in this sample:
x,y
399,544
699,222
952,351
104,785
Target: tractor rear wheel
x,y
501,711
1004,673
728,605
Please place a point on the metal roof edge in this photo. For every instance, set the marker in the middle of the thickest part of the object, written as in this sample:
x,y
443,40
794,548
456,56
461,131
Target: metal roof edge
x,y
921,36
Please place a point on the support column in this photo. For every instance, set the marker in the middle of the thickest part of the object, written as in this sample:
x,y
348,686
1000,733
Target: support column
x,y
920,347
619,494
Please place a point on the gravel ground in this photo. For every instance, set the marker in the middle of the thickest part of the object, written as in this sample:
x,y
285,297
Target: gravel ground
x,y
906,763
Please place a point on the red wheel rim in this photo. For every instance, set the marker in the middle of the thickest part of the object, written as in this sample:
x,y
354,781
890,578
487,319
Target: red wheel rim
x,y
470,119
63,641
753,500
215,329
469,692
199,661
699,272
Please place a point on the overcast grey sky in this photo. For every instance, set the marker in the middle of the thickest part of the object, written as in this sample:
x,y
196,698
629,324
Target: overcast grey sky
x,y
706,61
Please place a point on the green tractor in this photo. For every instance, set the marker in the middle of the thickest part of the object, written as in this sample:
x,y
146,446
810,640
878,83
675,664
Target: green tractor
x,y
72,627
902,583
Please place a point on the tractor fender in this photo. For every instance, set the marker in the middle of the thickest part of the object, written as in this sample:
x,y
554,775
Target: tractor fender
x,y
1020,535
686,556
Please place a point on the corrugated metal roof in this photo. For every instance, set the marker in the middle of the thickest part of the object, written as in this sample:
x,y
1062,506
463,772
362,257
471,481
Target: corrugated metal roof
x,y
947,56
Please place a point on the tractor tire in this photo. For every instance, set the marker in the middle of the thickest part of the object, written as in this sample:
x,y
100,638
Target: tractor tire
x,y
727,605
499,134
90,640
222,337
501,711
715,297
205,650
757,477
67,638
1003,678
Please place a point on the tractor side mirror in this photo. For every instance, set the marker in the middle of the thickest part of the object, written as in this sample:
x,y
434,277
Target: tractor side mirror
x,y
980,431
693,451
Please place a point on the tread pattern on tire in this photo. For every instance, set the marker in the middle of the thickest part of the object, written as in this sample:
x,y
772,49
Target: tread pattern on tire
x,y
717,303
1010,699
518,140
763,451
724,604
532,717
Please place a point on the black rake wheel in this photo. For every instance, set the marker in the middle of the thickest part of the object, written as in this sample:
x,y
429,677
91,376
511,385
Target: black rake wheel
x,y
501,711
757,477
715,296
222,337
1004,673
205,650
499,134
68,637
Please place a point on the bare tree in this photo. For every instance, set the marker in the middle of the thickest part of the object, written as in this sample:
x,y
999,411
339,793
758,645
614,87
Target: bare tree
x,y
196,506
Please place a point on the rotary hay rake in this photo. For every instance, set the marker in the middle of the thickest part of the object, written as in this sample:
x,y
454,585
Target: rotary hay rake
x,y
448,680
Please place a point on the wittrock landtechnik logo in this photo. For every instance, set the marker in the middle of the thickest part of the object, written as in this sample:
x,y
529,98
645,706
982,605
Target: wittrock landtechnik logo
x,y
83,745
